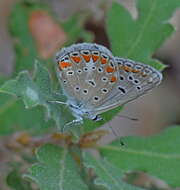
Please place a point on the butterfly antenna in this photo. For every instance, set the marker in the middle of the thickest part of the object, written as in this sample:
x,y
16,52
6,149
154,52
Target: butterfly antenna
x,y
114,132
57,102
127,117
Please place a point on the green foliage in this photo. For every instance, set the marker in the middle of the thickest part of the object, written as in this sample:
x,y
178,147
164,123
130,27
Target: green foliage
x,y
158,155
16,182
107,175
38,92
14,117
56,170
139,38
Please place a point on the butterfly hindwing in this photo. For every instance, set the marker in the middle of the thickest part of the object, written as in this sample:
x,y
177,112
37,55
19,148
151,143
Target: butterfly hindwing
x,y
135,79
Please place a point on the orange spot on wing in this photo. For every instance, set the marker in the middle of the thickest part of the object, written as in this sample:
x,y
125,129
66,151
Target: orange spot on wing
x,y
113,79
135,71
103,60
86,57
76,59
63,65
110,69
126,68
95,57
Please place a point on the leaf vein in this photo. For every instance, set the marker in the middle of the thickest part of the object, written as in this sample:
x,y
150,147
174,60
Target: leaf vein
x,y
62,165
107,173
145,153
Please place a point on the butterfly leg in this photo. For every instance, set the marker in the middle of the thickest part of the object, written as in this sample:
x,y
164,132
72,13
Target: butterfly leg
x,y
77,121
57,102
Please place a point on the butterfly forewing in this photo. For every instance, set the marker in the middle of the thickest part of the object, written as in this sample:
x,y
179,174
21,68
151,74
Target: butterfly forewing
x,y
87,73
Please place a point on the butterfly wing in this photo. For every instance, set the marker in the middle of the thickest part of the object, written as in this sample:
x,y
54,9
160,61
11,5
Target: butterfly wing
x,y
82,69
135,79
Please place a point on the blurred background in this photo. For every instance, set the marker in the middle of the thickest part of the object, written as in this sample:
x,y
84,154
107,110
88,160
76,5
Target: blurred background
x,y
155,111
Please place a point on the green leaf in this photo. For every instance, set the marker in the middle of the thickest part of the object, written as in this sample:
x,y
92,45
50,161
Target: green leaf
x,y
139,38
22,87
14,117
56,170
90,125
38,92
16,182
107,175
159,155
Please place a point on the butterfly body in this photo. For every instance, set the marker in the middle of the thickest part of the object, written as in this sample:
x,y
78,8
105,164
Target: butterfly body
x,y
95,81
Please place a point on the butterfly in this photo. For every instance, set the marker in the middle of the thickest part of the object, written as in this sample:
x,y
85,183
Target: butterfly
x,y
94,81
